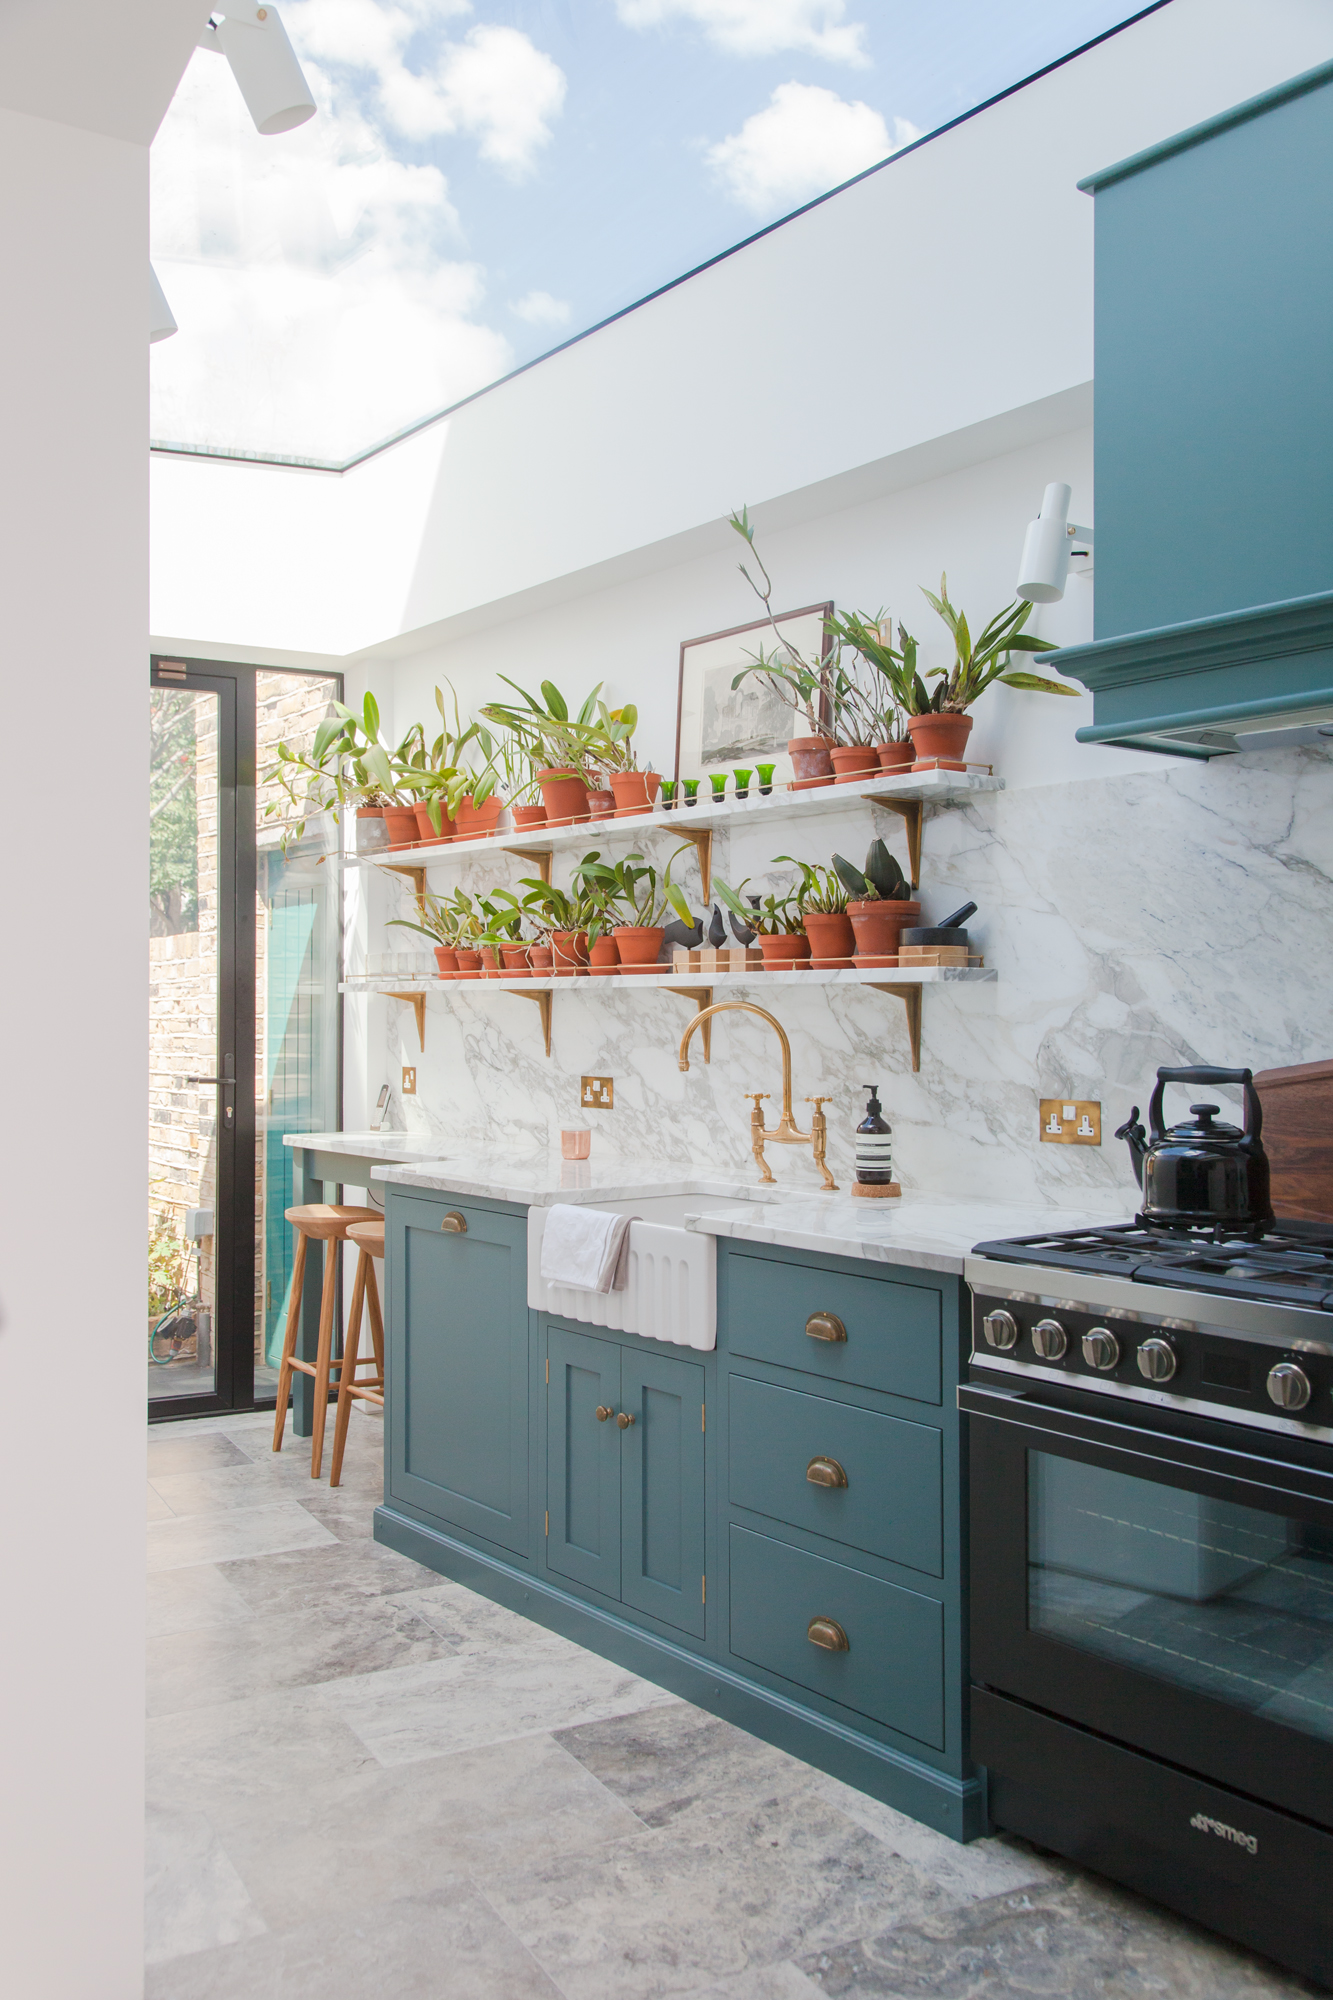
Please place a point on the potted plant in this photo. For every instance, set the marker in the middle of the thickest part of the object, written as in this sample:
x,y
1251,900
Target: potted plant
x,y
632,887
439,922
564,915
556,742
941,725
601,798
796,681
881,905
503,939
872,640
427,768
610,745
776,921
508,756
822,901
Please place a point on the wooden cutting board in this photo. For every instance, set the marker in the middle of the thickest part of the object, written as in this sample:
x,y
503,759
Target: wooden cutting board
x,y
1298,1138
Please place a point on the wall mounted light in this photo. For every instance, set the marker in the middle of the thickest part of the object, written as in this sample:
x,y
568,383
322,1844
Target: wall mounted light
x,y
161,319
1048,546
264,64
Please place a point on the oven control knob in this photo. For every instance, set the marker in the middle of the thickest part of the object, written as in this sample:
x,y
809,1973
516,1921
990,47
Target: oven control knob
x,y
1288,1386
1101,1349
1000,1329
1050,1339
1157,1360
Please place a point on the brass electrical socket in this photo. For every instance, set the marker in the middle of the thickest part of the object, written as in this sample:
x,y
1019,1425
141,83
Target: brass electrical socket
x,y
596,1093
409,1082
1071,1121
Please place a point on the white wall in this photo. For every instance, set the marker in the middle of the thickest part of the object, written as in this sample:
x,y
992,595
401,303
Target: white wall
x,y
74,535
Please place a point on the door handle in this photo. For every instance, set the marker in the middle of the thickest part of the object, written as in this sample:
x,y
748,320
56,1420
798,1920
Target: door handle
x,y
227,1083
604,1411
624,1419
825,1472
825,1326
827,1632
454,1224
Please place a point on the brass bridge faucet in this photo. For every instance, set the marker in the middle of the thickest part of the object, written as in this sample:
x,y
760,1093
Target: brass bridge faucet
x,y
786,1132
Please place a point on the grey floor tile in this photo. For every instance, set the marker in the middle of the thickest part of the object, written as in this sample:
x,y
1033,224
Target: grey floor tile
x,y
993,1867
178,1600
673,1764
253,1531
443,1947
222,1488
187,1450
338,1573
1077,1939
158,1509
194,1899
242,1762
763,1982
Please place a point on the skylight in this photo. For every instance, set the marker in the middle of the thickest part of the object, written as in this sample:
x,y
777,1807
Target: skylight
x,y
484,181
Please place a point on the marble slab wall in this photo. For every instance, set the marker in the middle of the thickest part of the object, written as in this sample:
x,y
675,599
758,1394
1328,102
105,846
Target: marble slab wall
x,y
1181,914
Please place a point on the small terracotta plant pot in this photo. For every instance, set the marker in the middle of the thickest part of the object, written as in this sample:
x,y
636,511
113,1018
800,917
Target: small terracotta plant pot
x,y
939,741
371,831
810,761
526,817
894,756
492,965
425,831
639,944
879,927
515,958
571,953
604,955
469,963
447,960
564,795
635,792
539,958
832,939
400,823
852,761
784,951
601,805
470,820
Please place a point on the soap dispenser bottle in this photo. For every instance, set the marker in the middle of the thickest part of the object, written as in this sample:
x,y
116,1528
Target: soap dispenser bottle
x,y
874,1149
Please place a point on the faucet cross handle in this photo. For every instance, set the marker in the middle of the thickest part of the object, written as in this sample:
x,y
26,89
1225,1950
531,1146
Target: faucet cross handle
x,y
817,1101
758,1097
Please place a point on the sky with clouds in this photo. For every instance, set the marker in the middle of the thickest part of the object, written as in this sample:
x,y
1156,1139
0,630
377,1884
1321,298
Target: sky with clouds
x,y
485,178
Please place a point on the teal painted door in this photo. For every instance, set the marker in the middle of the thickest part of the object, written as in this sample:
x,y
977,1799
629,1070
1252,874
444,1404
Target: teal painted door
x,y
662,1488
583,1460
458,1388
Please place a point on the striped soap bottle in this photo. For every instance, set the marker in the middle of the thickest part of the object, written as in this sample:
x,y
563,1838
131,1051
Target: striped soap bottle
x,y
874,1144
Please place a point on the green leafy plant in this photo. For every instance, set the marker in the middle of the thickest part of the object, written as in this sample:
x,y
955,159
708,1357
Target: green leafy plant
x,y
977,663
633,888
776,915
882,880
820,890
546,728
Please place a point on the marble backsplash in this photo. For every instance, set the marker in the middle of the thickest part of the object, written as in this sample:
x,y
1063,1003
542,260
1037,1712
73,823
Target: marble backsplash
x,y
1174,915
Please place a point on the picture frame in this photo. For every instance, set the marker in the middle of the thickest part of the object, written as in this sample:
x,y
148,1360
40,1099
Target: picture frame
x,y
718,730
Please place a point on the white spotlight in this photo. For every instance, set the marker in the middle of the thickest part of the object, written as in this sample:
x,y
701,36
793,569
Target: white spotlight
x,y
1048,546
264,64
161,319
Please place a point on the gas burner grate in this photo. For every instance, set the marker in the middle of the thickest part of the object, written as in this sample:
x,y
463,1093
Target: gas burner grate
x,y
1289,1264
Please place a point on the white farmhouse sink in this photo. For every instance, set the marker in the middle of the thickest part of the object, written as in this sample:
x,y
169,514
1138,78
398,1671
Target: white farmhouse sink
x,y
671,1290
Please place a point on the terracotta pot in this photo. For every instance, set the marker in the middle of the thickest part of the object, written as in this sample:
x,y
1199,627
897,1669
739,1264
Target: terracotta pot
x,y
832,939
400,823
853,760
528,816
469,963
564,795
639,944
939,741
539,958
604,955
371,831
635,792
894,756
492,965
571,953
470,820
425,831
601,805
810,761
515,958
447,960
784,951
878,927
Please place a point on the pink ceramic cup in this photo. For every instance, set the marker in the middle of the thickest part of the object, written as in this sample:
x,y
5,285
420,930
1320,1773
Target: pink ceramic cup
x,y
576,1145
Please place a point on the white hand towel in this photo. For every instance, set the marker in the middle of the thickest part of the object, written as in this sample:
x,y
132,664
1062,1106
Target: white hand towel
x,y
586,1248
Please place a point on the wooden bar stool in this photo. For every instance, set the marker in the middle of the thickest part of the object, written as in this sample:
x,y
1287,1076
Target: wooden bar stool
x,y
369,1240
328,1222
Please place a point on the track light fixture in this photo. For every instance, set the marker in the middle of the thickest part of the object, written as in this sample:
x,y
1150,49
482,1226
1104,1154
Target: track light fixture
x,y
1048,546
264,64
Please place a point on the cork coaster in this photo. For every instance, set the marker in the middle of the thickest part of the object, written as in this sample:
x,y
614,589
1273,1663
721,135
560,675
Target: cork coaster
x,y
880,1191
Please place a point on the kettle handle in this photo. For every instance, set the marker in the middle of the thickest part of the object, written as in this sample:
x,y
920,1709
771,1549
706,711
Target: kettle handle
x,y
1202,1073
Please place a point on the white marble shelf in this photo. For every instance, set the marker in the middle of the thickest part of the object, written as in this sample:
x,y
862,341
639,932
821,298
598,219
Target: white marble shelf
x,y
889,975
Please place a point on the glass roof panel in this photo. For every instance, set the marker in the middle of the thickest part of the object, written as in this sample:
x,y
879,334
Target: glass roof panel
x,y
487,178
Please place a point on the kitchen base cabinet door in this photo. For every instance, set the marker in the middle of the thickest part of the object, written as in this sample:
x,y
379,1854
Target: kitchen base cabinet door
x,y
891,1667
458,1371
583,1460
662,1489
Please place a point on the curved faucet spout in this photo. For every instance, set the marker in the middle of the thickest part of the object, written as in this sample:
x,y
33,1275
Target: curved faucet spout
x,y
786,1127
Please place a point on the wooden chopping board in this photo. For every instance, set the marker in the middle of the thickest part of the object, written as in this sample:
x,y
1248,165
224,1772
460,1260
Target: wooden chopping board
x,y
1298,1138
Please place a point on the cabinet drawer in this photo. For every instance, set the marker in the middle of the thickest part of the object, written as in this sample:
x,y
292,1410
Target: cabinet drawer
x,y
893,1668
893,1330
892,1503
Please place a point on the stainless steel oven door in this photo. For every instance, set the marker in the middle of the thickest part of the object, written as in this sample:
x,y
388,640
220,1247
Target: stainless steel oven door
x,y
1169,1592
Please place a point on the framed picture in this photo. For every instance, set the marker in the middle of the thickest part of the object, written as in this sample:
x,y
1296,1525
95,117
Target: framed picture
x,y
718,728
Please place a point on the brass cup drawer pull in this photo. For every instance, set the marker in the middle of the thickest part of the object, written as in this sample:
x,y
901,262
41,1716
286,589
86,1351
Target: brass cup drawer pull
x,y
825,1326
604,1411
624,1419
825,1472
454,1223
827,1632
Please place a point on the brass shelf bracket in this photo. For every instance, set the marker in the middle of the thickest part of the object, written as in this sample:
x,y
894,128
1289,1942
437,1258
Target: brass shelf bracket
x,y
909,810
702,997
417,1002
544,1002
542,857
701,838
417,877
911,999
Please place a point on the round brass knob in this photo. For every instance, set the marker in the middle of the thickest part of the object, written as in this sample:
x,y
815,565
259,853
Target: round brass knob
x,y
825,1326
1050,1339
827,1632
624,1419
454,1223
1101,1349
1157,1360
604,1411
825,1472
1000,1329
1288,1386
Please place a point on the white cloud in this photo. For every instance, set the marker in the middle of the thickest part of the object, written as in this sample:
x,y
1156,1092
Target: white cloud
x,y
760,27
540,309
805,141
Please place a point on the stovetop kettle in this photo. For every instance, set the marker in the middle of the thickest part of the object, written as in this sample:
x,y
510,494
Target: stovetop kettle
x,y
1201,1173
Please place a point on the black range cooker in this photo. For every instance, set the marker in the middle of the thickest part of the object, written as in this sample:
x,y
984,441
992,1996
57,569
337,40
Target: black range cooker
x,y
1151,1449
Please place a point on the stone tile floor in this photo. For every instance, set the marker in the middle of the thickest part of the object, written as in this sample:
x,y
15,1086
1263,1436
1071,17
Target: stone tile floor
x,y
367,1783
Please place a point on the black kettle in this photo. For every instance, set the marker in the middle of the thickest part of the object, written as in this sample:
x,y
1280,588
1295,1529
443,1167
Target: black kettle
x,y
1200,1173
